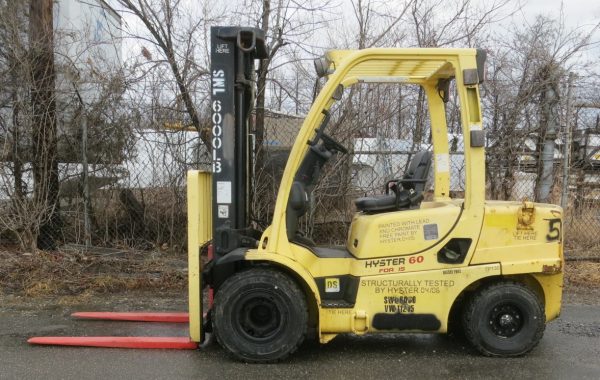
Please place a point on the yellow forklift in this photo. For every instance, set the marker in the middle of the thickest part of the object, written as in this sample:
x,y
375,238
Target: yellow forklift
x,y
408,265
492,269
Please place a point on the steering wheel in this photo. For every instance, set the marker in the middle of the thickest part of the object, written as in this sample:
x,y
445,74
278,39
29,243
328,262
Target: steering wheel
x,y
331,144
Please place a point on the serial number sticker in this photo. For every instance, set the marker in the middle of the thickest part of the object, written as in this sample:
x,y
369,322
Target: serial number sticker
x,y
332,285
430,231
224,192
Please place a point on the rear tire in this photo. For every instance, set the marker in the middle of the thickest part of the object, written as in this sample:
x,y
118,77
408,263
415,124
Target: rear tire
x,y
504,319
260,315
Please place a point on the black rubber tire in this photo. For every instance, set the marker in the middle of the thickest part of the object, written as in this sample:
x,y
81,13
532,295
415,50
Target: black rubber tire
x,y
504,319
260,315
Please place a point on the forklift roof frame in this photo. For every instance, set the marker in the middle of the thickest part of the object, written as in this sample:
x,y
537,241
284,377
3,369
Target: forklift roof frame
x,y
422,66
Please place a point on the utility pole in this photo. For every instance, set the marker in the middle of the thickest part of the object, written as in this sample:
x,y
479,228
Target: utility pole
x,y
549,129
564,199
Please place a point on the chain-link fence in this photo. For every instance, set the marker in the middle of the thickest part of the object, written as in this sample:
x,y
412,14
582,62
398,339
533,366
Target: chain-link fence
x,y
380,149
139,202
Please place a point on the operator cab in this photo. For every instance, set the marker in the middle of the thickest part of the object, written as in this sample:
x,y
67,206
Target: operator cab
x,y
397,221
406,192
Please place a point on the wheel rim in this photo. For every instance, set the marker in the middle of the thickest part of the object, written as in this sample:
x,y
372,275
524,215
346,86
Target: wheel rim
x,y
259,318
505,320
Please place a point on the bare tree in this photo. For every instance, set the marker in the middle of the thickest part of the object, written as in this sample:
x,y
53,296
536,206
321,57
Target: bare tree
x,y
45,164
287,25
176,40
523,99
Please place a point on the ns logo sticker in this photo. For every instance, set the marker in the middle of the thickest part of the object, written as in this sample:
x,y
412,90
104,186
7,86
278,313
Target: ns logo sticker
x,y
332,285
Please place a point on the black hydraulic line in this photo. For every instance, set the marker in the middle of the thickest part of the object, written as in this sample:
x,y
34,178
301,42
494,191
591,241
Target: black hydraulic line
x,y
241,148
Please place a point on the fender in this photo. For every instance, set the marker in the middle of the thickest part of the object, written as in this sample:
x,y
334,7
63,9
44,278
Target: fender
x,y
290,266
217,272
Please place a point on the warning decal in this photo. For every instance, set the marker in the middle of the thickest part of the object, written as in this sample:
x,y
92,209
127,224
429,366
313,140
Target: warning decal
x,y
224,192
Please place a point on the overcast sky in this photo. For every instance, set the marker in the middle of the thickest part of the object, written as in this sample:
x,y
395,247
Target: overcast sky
x,y
581,14
577,13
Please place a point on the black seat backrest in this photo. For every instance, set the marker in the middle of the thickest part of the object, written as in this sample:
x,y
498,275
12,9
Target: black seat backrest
x,y
418,170
414,179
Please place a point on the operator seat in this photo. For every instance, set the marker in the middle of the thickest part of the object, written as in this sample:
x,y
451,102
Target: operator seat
x,y
407,192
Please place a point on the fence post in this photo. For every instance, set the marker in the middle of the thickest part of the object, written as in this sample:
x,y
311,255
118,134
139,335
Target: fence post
x,y
564,199
86,185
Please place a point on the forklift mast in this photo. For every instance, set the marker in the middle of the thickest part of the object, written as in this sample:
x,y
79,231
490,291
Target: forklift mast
x,y
233,51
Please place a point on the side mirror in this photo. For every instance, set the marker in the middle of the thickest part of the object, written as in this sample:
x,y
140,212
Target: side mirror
x,y
322,66
443,88
339,91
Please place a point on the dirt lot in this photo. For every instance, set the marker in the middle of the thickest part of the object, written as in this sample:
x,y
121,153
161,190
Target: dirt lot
x,y
74,277
582,282
78,274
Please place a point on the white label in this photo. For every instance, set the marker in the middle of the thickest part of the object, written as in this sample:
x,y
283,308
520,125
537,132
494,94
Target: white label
x,y
223,211
430,231
224,192
442,163
332,285
222,49
476,127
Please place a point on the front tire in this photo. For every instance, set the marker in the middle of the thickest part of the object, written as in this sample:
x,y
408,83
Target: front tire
x,y
504,319
260,315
